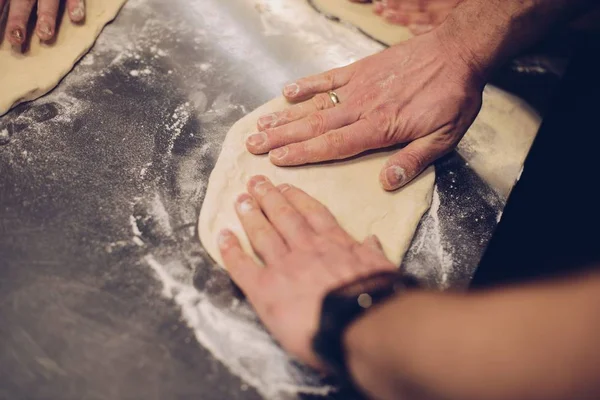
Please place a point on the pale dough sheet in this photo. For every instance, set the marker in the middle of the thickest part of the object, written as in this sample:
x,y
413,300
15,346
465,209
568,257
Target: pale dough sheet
x,y
25,77
363,17
498,142
350,189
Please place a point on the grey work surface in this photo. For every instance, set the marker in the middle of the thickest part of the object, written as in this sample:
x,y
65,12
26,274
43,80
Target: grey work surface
x,y
106,292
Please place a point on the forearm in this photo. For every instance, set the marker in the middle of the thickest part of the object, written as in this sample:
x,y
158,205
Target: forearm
x,y
487,33
539,342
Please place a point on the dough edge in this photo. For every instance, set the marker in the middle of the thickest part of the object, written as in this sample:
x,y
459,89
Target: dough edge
x,y
213,204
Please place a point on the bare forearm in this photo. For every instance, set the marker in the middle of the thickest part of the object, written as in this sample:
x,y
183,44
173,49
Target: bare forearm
x,y
486,33
538,342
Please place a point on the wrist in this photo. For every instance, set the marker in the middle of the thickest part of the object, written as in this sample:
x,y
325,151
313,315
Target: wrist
x,y
344,305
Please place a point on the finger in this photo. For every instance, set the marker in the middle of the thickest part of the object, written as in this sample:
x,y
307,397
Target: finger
x,y
333,145
373,258
420,29
318,216
265,240
407,18
240,266
373,243
305,88
319,102
18,16
408,163
76,10
292,226
396,17
46,21
306,128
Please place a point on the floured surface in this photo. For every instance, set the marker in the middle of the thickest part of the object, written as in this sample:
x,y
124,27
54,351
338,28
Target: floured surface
x,y
104,177
350,189
363,17
25,77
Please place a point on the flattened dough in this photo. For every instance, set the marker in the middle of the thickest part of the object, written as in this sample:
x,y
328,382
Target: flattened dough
x,y
363,17
498,142
25,77
350,189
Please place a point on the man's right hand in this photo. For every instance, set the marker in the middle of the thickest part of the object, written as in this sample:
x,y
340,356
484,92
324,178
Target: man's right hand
x,y
423,93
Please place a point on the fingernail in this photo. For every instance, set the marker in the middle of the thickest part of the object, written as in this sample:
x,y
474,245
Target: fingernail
x,y
260,187
45,29
279,153
291,90
266,120
17,34
78,12
244,202
223,238
395,176
257,139
284,188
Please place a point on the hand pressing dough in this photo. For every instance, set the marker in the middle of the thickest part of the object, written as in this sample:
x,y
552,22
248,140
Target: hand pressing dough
x,y
498,142
363,17
25,77
350,189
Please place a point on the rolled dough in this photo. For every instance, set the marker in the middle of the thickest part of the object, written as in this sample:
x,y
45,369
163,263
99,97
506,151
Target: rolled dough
x,y
25,77
498,142
363,17
350,189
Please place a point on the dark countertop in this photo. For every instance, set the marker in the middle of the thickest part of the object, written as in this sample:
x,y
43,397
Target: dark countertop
x,y
106,292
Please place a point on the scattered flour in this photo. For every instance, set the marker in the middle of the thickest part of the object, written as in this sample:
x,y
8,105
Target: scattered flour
x,y
234,337
429,245
4,136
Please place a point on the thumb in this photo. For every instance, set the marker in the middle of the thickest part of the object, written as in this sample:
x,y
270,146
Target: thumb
x,y
410,161
373,243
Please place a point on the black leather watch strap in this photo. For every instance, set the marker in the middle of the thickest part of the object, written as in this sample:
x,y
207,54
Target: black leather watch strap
x,y
345,304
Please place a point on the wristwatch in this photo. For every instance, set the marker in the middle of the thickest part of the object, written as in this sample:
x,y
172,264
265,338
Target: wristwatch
x,y
344,305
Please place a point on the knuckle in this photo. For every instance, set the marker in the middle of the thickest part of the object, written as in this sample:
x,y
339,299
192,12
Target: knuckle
x,y
416,160
316,122
335,144
262,234
285,211
381,119
321,101
329,78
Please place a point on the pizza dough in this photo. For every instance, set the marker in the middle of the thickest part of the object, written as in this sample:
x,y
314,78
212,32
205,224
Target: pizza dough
x,y
25,77
498,142
363,17
350,189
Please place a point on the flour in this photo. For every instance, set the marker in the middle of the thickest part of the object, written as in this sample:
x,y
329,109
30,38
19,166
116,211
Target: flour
x,y
429,245
4,136
233,336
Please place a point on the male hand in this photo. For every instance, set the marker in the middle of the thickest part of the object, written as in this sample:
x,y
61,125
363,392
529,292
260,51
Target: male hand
x,y
19,12
423,93
306,254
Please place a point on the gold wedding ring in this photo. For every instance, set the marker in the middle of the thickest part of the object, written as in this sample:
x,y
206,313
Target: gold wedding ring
x,y
334,97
